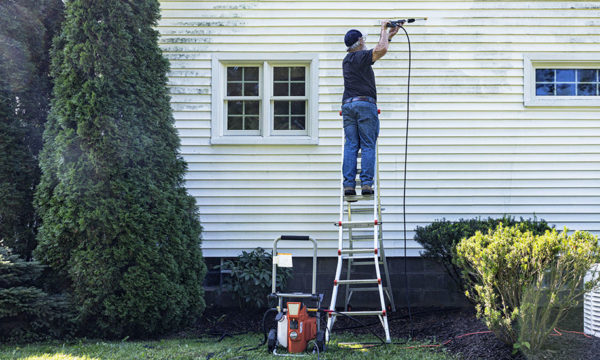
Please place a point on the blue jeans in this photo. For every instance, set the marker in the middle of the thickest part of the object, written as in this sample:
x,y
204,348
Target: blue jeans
x,y
361,128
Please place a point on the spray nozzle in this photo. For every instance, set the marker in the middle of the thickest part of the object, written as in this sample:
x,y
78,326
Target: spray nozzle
x,y
401,22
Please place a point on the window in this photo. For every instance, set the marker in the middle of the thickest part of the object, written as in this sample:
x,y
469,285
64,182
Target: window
x,y
561,80
265,99
566,82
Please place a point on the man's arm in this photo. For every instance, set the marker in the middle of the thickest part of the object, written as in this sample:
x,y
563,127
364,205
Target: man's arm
x,y
384,41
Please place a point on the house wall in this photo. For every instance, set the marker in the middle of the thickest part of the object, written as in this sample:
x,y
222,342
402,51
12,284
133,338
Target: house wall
x,y
474,148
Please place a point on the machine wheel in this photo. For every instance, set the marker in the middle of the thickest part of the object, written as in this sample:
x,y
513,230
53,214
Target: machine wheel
x,y
320,340
272,340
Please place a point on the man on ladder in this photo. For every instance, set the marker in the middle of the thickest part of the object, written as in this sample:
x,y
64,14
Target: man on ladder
x,y
359,109
361,128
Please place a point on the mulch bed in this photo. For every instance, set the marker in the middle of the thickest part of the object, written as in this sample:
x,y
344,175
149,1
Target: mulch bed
x,y
460,332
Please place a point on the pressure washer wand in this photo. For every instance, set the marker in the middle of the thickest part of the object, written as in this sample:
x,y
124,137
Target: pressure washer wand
x,y
401,22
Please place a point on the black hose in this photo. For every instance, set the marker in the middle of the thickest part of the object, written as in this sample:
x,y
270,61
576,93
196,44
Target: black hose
x,y
247,348
410,326
397,318
264,321
362,325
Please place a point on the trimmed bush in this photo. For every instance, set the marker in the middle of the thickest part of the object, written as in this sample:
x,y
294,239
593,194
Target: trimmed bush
x,y
523,283
251,277
440,238
27,313
117,221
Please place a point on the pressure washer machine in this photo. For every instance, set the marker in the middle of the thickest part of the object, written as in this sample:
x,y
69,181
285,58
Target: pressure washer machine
x,y
297,323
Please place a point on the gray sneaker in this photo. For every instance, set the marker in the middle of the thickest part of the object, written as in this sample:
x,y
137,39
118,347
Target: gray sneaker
x,y
348,191
366,190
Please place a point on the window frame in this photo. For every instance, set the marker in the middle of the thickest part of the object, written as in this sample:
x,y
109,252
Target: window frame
x,y
266,135
534,61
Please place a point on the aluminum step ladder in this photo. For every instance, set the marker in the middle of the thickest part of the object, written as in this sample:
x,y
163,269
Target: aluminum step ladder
x,y
360,244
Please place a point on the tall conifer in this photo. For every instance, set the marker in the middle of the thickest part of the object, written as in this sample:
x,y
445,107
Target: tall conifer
x,y
117,220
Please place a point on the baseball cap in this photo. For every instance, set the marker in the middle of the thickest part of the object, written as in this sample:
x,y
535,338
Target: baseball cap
x,y
351,37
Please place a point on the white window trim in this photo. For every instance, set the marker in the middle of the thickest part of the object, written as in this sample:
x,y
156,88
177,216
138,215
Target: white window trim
x,y
267,136
534,61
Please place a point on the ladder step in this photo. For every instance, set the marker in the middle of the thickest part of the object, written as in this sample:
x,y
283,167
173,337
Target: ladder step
x,y
353,198
357,251
358,281
362,237
365,289
364,263
355,258
357,224
362,210
362,313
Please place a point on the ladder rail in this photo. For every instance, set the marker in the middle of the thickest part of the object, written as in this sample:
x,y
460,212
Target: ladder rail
x,y
338,269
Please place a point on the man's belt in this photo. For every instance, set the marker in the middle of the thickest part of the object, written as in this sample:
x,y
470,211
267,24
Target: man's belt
x,y
360,98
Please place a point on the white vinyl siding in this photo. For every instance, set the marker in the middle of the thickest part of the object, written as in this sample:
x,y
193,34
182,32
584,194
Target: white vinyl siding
x,y
474,148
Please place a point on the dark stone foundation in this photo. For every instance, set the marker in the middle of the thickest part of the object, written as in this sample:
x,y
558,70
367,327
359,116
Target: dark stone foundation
x,y
428,283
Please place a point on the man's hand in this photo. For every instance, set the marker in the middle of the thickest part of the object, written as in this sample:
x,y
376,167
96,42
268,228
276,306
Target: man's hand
x,y
384,24
393,31
381,48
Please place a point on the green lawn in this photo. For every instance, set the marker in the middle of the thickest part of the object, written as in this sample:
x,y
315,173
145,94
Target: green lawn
x,y
200,348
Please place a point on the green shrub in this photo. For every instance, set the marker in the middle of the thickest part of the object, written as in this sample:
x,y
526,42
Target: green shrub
x,y
524,283
27,313
117,222
251,277
440,238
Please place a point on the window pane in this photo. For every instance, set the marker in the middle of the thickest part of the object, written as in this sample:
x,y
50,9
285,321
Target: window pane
x,y
234,123
297,89
251,123
234,89
544,75
586,75
563,75
565,89
544,89
280,89
281,123
235,107
251,107
298,123
281,74
250,89
282,107
298,107
586,89
298,74
251,74
234,73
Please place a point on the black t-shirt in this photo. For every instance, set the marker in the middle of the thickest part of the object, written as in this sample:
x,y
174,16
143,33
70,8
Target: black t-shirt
x,y
359,79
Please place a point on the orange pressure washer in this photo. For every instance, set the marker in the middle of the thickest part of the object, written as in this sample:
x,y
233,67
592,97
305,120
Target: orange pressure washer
x,y
296,324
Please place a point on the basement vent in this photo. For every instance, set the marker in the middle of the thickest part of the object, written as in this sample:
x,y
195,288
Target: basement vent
x,y
591,305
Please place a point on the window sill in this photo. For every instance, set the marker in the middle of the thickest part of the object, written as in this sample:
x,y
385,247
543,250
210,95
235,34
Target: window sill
x,y
561,101
262,140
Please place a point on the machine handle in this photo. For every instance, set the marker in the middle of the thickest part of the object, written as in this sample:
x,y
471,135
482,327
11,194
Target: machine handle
x,y
294,237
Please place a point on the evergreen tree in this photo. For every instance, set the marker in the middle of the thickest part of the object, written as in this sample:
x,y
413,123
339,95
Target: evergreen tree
x,y
27,313
116,218
26,30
